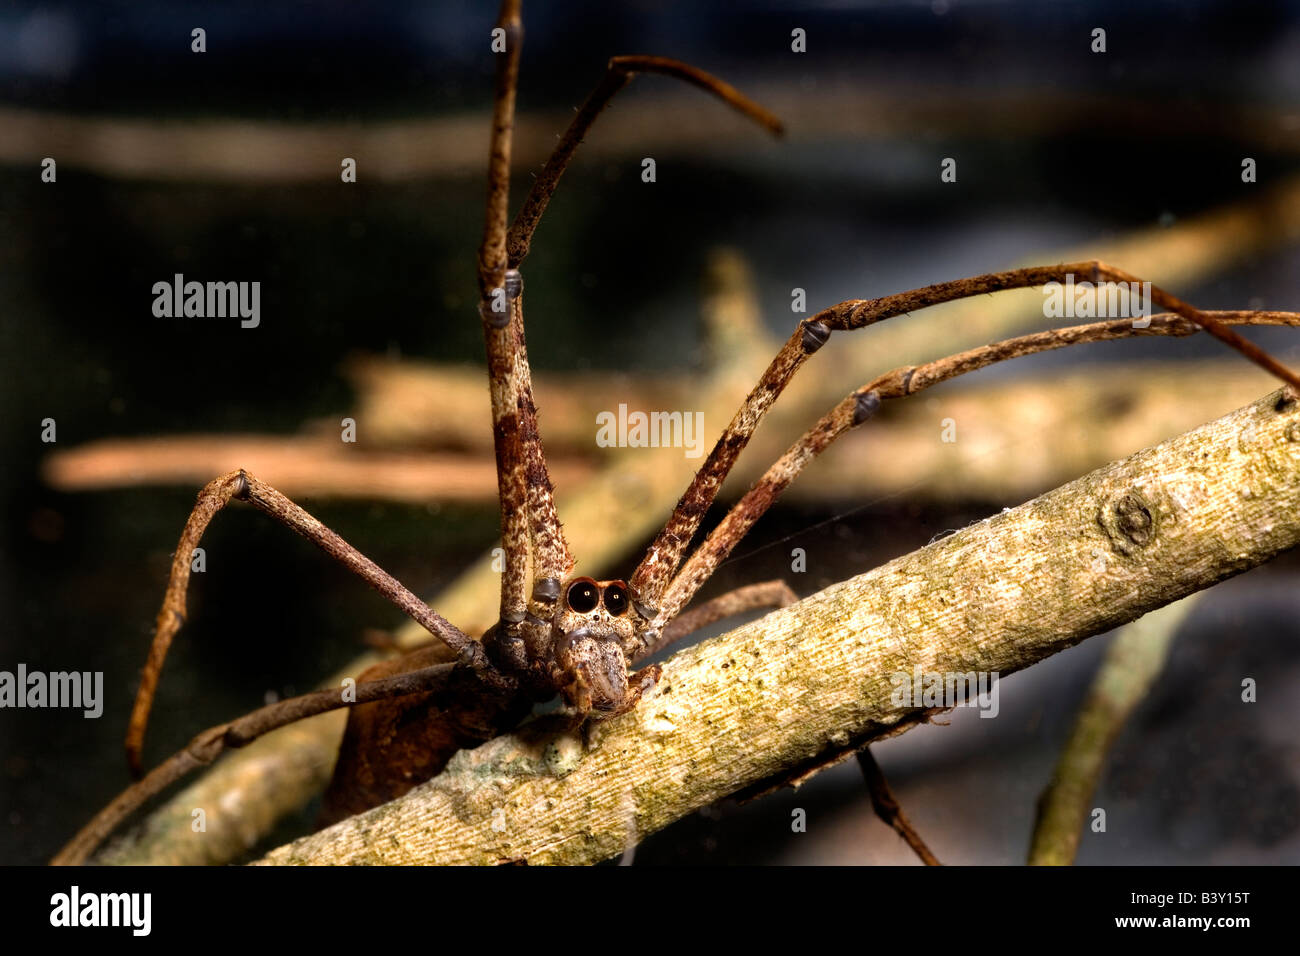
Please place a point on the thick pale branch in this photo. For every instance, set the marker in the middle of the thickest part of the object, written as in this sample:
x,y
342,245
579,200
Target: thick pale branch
x,y
812,683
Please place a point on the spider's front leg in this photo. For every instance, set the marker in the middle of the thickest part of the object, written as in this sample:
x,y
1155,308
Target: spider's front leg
x,y
659,592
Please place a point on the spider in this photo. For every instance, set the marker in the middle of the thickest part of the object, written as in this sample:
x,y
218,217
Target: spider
x,y
559,633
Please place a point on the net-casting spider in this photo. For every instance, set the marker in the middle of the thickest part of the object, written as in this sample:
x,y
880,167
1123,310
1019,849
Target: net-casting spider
x,y
572,635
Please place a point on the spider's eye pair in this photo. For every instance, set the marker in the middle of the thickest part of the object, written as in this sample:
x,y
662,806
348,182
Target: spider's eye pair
x,y
584,596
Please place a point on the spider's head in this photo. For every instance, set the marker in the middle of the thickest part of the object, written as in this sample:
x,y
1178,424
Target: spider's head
x,y
592,624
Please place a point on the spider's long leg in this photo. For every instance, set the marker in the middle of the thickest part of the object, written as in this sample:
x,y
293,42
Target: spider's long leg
x,y
215,496
857,407
492,253
748,598
503,327
652,575
618,74
886,806
506,368
551,558
211,743
530,524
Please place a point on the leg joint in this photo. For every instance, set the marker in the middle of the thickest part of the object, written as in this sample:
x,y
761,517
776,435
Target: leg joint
x,y
815,334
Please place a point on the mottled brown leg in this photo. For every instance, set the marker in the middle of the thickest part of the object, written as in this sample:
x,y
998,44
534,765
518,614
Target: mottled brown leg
x,y
618,73
861,405
215,496
530,527
653,575
551,559
503,334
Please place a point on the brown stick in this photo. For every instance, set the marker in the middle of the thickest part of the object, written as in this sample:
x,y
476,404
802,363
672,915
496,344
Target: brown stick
x,y
299,465
887,807
813,680
314,467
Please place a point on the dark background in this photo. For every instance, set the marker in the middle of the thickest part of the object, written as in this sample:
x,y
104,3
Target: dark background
x,y
613,282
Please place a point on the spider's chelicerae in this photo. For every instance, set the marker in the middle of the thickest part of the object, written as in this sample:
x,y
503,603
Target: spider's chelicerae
x,y
558,633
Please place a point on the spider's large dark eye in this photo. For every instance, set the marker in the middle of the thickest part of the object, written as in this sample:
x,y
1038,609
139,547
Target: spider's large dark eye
x,y
583,595
616,599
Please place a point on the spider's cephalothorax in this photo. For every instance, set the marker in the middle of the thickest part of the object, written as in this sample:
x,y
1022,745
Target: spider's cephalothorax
x,y
583,649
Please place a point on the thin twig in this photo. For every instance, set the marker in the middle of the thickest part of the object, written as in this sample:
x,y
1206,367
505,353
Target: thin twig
x,y
1133,662
888,809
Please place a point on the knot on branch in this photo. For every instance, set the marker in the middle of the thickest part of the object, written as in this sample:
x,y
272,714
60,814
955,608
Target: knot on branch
x,y
1129,520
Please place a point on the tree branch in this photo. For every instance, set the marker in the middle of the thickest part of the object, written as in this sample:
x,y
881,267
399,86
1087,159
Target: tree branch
x,y
811,684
